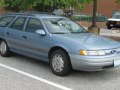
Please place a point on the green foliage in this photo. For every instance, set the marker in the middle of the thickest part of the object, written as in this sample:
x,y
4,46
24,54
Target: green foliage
x,y
2,3
118,1
43,4
24,4
8,4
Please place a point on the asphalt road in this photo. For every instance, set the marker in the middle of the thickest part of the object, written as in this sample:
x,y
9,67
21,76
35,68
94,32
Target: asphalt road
x,y
19,73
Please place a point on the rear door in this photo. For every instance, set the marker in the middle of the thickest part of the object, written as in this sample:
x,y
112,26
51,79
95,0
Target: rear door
x,y
15,33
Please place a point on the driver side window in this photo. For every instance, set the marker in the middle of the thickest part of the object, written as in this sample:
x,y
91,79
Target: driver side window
x,y
33,25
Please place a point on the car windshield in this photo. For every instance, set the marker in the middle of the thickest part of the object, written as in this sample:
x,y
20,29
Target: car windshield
x,y
116,16
63,26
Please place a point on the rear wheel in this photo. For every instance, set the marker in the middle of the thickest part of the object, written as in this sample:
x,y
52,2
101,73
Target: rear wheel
x,y
4,50
60,63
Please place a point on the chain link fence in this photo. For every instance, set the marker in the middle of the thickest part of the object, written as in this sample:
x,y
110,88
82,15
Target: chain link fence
x,y
88,18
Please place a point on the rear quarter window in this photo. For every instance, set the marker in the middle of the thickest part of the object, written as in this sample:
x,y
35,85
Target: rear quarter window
x,y
4,21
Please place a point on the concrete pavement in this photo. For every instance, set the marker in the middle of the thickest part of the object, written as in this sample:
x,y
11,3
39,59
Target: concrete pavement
x,y
112,32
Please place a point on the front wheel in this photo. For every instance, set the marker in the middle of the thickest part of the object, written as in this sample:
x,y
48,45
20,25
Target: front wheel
x,y
60,63
109,27
4,50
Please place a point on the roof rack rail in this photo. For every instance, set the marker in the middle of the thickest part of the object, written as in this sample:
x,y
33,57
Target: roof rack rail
x,y
27,14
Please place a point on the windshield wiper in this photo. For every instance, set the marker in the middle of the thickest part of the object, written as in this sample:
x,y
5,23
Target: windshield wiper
x,y
58,33
78,32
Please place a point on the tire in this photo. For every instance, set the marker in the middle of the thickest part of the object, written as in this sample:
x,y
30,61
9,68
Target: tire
x,y
4,50
109,27
60,63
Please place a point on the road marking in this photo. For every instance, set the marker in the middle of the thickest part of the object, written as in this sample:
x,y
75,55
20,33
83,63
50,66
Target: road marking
x,y
35,77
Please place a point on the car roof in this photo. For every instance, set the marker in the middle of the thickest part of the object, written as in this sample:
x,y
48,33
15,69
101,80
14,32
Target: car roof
x,y
34,14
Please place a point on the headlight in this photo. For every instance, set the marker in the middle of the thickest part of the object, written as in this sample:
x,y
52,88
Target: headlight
x,y
92,53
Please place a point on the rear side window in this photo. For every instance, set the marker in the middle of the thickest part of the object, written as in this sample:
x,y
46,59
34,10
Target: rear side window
x,y
4,21
33,25
18,23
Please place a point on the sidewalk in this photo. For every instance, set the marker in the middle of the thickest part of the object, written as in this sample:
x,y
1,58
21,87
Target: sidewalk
x,y
113,33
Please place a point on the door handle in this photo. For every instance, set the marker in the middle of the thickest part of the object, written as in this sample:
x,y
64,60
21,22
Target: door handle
x,y
25,37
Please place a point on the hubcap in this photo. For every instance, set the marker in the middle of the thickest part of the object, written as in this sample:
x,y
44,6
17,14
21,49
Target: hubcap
x,y
58,63
3,48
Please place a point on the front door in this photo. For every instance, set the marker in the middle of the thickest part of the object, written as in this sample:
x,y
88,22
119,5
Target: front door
x,y
35,43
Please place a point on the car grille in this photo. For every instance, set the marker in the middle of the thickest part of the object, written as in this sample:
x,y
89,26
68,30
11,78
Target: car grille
x,y
113,51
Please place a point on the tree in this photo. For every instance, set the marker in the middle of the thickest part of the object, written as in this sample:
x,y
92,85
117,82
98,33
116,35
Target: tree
x,y
118,1
54,4
2,3
8,4
44,4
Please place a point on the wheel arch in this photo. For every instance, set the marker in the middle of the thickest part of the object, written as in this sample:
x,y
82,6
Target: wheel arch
x,y
1,39
5,53
56,48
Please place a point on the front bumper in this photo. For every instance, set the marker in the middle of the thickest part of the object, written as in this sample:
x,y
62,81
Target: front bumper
x,y
94,63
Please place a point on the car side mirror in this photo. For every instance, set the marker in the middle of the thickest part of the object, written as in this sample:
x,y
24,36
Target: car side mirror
x,y
40,32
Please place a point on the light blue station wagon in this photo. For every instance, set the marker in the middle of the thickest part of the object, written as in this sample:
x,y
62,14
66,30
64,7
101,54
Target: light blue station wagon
x,y
57,40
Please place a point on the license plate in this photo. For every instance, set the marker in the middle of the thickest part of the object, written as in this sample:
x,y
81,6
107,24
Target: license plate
x,y
116,63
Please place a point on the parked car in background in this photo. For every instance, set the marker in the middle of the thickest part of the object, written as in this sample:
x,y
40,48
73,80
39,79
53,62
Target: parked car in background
x,y
114,22
62,43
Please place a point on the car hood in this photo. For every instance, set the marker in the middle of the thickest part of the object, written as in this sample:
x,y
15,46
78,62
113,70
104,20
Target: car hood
x,y
88,41
113,19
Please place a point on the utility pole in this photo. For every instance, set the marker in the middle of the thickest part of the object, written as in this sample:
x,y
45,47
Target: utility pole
x,y
94,13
